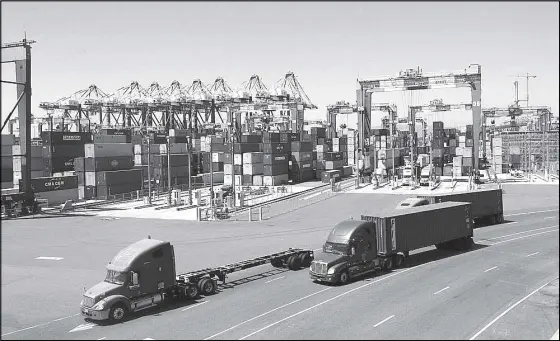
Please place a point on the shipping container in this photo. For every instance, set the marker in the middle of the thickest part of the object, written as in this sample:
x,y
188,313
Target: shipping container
x,y
47,184
405,230
36,151
486,204
127,188
253,169
97,138
8,139
247,180
218,157
252,138
59,138
59,164
258,180
275,169
236,169
175,160
59,196
112,178
255,157
332,165
240,148
268,137
217,166
119,132
333,156
276,148
275,180
302,176
37,163
7,175
301,147
108,149
140,149
326,176
302,156
274,159
302,166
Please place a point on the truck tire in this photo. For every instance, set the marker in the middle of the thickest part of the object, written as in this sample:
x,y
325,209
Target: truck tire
x,y
191,292
294,262
388,264
305,260
206,286
399,261
118,313
276,262
343,277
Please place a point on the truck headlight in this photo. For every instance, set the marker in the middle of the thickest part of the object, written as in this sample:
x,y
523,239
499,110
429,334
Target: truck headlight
x,y
99,306
330,271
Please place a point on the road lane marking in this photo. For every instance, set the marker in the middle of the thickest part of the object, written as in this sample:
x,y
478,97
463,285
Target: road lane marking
x,y
550,218
272,280
515,214
531,235
437,292
330,299
103,338
318,249
268,312
514,234
490,269
555,336
49,258
385,320
83,327
39,325
532,254
510,308
192,306
148,338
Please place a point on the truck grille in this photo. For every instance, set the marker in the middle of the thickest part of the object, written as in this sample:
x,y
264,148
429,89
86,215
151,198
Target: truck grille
x,y
319,268
89,301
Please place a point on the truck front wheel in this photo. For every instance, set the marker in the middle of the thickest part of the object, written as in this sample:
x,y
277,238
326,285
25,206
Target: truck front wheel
x,y
388,264
117,313
343,278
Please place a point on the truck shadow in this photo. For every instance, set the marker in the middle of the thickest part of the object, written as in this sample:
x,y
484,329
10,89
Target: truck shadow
x,y
486,224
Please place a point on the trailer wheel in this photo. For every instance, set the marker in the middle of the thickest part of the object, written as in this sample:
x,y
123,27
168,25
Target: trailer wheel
x,y
305,260
117,313
206,286
399,261
276,262
388,264
343,278
294,263
191,292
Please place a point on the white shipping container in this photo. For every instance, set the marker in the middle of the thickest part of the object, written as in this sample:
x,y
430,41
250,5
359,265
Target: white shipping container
x,y
238,159
462,145
336,148
228,179
108,149
228,168
109,138
275,180
89,179
467,152
457,161
253,169
322,148
137,160
335,141
462,138
256,157
497,142
238,180
217,157
175,148
34,174
498,151
154,149
257,180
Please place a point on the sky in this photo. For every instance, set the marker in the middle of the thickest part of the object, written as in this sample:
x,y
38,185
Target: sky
x,y
327,45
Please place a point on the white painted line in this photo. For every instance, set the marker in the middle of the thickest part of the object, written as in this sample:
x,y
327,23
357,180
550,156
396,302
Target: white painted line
x,y
550,218
272,280
532,254
49,258
510,308
531,235
515,214
39,325
437,292
268,312
103,338
555,336
514,234
385,320
82,327
318,249
148,338
490,269
187,308
330,299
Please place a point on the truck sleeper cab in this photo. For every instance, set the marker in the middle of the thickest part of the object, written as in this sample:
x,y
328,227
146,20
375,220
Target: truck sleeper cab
x,y
350,251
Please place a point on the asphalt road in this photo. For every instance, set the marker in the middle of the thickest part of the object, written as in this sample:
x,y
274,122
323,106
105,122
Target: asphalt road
x,y
489,292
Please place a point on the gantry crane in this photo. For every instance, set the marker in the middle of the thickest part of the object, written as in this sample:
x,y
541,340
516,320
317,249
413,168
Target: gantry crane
x,y
414,79
340,108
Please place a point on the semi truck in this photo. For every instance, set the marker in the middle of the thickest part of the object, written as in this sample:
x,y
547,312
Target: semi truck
x,y
143,275
425,175
383,240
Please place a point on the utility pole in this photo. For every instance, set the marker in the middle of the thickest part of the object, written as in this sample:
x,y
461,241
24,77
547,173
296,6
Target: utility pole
x,y
169,169
149,173
526,76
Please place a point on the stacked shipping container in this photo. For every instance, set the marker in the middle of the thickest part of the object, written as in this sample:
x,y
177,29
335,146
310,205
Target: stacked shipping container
x,y
7,162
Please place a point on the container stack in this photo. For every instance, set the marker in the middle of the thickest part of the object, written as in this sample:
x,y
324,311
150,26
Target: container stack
x,y
38,168
498,155
340,144
515,157
457,164
301,166
253,169
7,170
318,136
108,170
329,166
56,190
276,160
437,153
61,148
352,146
233,164
175,164
379,138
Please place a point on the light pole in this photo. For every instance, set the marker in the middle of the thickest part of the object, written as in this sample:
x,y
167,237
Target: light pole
x,y
149,172
169,169
189,154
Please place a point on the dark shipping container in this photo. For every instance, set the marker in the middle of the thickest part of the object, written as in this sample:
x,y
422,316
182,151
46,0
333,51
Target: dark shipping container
x,y
57,183
276,148
65,138
108,163
112,178
104,191
274,159
277,169
301,147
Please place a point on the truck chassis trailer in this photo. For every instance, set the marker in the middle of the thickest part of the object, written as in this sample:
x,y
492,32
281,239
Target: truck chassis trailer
x,y
115,300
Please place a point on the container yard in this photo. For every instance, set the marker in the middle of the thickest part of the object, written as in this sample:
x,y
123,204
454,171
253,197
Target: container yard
x,y
181,194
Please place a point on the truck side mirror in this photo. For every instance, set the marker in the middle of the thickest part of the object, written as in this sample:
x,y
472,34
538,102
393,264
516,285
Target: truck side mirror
x,y
352,251
134,278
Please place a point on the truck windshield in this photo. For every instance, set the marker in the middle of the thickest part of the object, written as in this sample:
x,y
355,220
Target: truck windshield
x,y
340,249
115,277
